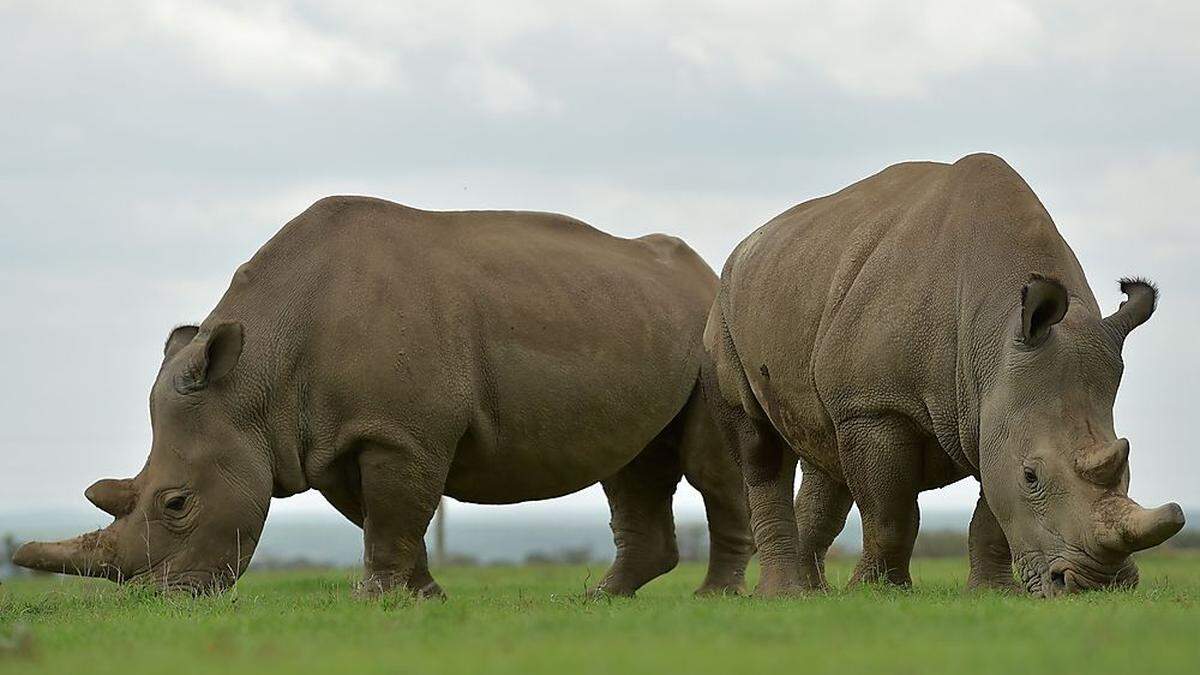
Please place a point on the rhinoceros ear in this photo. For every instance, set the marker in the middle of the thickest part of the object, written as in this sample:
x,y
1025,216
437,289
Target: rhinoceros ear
x,y
178,339
222,347
1043,304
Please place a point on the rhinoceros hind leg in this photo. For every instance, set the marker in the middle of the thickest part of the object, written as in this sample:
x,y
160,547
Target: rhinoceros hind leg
x,y
822,503
767,462
991,559
714,472
770,474
643,525
769,466
884,479
730,544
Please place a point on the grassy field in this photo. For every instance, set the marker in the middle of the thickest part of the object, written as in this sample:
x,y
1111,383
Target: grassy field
x,y
535,620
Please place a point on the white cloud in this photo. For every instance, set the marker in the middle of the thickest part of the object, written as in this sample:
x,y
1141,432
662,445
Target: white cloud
x,y
1148,202
1146,31
865,47
869,48
470,25
498,89
265,45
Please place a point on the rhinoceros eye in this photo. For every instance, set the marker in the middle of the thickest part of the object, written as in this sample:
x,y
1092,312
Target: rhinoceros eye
x,y
176,504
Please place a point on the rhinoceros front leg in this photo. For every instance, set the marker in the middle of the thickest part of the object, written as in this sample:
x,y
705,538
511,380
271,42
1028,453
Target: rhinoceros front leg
x,y
881,458
348,501
400,491
991,559
822,503
421,583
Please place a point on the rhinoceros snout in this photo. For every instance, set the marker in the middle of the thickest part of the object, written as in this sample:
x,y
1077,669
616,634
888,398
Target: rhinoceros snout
x,y
1063,579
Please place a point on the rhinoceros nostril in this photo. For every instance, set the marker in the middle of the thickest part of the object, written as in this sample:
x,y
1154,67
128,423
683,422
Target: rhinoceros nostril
x,y
1058,579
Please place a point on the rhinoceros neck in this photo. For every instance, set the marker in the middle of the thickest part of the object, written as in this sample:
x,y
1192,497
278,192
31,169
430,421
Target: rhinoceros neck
x,y
269,396
990,283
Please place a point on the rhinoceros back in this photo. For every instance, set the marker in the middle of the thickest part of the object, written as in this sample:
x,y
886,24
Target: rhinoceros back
x,y
884,286
544,352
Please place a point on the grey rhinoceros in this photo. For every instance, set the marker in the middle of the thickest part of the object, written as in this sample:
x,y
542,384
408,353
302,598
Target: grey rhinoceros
x,y
385,356
923,325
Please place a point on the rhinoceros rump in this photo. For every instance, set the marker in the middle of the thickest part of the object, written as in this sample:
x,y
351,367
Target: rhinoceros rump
x,y
923,325
386,356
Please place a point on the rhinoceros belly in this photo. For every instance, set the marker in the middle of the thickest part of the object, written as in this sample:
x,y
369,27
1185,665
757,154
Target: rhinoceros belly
x,y
552,417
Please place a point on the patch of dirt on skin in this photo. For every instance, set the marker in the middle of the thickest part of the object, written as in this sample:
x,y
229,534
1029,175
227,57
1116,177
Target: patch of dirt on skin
x,y
99,540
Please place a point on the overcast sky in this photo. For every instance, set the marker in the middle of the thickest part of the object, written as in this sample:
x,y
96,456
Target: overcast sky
x,y
148,148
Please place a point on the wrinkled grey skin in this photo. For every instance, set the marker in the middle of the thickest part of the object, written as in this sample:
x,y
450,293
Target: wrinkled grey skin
x,y
920,326
386,356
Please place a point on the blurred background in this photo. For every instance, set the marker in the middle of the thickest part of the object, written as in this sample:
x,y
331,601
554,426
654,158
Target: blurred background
x,y
149,147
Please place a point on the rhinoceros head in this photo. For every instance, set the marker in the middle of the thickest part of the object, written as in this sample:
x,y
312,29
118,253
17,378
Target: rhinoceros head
x,y
1053,471
192,517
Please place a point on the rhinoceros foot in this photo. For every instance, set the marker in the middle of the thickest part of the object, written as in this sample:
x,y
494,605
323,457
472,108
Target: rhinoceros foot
x,y
429,591
994,583
712,589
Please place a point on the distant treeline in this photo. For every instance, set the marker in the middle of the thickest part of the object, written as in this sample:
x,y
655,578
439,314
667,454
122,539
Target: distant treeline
x,y
953,544
693,547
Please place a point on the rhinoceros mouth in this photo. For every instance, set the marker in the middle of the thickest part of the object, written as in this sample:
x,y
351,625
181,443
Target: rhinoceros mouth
x,y
1051,576
188,583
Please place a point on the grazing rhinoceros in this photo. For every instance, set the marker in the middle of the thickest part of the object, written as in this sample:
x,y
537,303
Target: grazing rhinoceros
x,y
386,356
923,325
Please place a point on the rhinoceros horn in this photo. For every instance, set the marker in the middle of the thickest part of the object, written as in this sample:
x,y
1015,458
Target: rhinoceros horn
x,y
88,555
114,496
1127,527
1141,298
1106,464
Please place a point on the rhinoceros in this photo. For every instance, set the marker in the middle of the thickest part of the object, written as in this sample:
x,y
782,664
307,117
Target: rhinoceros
x,y
926,324
387,356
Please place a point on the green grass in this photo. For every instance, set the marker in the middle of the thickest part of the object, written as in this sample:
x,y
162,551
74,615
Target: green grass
x,y
535,620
